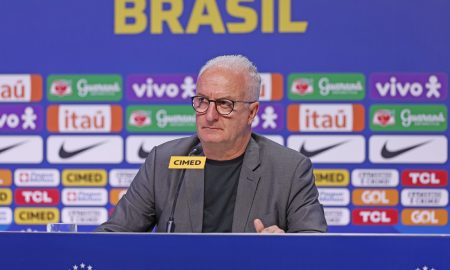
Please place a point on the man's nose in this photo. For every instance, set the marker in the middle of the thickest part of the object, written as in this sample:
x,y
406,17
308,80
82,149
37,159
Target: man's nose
x,y
211,113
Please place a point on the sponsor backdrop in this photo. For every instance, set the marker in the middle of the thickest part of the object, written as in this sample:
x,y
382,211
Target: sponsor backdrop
x,y
87,88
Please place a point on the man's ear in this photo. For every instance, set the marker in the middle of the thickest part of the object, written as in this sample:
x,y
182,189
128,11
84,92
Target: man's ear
x,y
254,107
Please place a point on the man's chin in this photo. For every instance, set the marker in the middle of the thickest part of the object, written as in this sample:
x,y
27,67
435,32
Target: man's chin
x,y
210,138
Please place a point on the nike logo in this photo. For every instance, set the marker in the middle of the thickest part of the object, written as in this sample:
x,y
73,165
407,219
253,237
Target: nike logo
x,y
385,153
142,153
315,152
10,147
66,154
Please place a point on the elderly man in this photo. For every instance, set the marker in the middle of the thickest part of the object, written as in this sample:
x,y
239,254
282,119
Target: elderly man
x,y
249,184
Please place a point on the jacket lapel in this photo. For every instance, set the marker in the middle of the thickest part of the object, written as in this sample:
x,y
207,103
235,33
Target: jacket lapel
x,y
248,183
194,180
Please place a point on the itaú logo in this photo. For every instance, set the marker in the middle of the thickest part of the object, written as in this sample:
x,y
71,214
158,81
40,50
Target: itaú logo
x,y
325,117
133,19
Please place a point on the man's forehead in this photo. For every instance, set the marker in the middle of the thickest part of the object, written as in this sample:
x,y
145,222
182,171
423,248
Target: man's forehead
x,y
218,82
222,72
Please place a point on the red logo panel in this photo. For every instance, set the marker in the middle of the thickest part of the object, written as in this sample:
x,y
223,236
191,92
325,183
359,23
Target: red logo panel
x,y
424,178
36,196
375,216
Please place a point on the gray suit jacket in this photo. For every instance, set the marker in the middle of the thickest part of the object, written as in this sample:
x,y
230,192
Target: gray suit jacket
x,y
276,185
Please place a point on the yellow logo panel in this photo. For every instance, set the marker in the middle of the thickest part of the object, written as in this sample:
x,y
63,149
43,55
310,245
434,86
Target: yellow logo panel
x,y
331,178
183,162
80,178
27,216
5,196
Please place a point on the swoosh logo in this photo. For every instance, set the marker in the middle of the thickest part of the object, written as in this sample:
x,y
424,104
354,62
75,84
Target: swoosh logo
x,y
142,153
66,154
10,147
386,153
312,153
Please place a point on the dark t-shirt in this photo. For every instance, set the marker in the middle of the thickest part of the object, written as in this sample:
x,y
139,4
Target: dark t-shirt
x,y
221,182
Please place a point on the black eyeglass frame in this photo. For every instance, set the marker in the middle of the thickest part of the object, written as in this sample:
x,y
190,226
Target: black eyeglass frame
x,y
215,104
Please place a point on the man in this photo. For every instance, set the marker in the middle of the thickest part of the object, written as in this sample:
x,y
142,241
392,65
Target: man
x,y
249,184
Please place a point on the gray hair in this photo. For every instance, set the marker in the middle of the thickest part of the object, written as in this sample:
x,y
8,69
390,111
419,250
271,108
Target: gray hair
x,y
237,63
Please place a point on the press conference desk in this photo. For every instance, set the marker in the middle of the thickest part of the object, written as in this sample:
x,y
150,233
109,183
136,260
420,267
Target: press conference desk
x,y
106,251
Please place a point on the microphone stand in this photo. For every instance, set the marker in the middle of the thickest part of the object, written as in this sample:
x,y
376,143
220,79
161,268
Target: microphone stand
x,y
170,227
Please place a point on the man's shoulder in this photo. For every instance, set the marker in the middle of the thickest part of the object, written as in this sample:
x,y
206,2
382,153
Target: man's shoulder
x,y
181,146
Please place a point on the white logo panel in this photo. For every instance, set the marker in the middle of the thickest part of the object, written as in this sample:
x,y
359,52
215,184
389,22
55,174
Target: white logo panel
x,y
122,177
375,178
36,177
21,149
330,148
138,147
84,118
334,196
85,149
408,149
424,197
326,117
336,216
15,88
84,215
5,215
84,196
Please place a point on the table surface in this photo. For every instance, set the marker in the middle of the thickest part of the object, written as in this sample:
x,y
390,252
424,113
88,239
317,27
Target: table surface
x,y
79,251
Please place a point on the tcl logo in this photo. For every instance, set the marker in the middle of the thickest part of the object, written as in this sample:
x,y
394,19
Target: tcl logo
x,y
425,217
381,197
36,196
375,216
425,178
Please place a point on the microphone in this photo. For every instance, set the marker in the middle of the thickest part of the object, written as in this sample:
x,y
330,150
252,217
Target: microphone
x,y
170,227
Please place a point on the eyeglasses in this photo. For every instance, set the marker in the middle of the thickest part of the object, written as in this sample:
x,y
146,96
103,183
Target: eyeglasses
x,y
224,106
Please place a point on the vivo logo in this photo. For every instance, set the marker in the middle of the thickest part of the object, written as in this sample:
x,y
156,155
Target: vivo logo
x,y
19,118
160,87
409,86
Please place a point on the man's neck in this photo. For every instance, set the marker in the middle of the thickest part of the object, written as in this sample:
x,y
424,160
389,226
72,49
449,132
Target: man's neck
x,y
221,151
